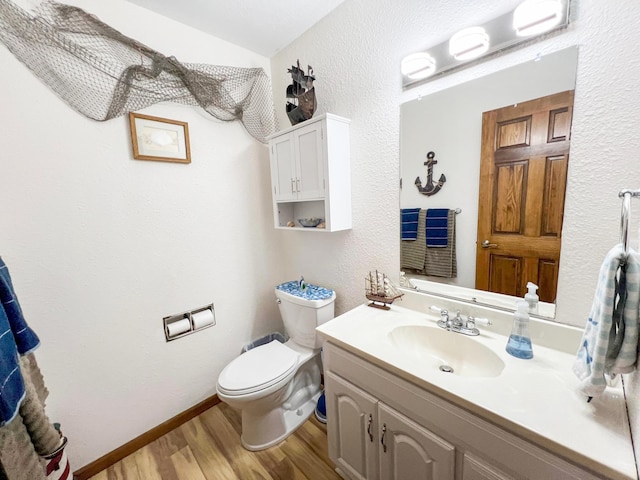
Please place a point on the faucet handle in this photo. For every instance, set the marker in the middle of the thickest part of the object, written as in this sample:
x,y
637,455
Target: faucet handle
x,y
443,313
436,308
478,321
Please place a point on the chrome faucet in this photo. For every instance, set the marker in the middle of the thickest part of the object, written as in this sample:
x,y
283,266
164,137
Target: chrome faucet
x,y
459,324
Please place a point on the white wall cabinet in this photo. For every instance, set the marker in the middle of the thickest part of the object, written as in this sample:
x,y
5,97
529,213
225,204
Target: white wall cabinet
x,y
311,173
426,437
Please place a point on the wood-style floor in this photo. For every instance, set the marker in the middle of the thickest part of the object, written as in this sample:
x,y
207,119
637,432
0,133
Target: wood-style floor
x,y
208,448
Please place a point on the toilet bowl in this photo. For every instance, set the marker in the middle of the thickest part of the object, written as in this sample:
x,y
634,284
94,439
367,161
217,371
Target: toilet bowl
x,y
277,385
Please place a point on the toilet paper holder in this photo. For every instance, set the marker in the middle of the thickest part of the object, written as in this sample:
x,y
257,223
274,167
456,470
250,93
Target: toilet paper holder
x,y
191,321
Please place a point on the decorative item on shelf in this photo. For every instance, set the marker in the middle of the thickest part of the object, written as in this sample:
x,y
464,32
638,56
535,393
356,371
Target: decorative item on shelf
x,y
302,93
290,223
380,290
431,188
310,222
321,225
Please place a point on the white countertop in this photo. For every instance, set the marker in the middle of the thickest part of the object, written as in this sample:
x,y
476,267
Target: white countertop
x,y
536,399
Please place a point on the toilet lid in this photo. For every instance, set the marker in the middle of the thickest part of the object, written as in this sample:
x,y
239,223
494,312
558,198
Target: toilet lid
x,y
258,368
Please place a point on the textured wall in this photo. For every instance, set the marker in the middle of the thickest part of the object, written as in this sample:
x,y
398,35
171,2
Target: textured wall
x,y
356,54
102,246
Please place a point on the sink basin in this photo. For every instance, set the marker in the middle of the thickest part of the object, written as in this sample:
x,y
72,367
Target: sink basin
x,y
453,353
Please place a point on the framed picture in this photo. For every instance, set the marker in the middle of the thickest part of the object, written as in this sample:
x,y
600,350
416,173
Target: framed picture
x,y
160,139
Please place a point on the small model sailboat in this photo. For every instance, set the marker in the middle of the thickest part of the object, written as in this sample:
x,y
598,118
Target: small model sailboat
x,y
302,94
380,290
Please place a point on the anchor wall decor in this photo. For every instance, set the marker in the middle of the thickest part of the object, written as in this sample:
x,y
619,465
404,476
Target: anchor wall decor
x,y
431,188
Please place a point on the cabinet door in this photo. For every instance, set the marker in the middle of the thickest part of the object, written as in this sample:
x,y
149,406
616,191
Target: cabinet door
x,y
477,469
283,174
351,428
411,452
309,153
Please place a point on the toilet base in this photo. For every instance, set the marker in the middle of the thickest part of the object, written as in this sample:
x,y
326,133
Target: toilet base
x,y
271,419
279,423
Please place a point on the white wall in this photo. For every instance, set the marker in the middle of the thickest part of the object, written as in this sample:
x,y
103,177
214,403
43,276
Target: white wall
x,y
356,54
449,122
101,246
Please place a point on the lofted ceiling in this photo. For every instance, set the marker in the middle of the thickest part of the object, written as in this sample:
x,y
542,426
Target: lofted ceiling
x,y
259,26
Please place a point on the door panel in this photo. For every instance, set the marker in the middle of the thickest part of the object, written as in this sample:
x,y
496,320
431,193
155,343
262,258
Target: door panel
x,y
506,273
311,163
412,451
553,203
353,443
283,174
523,175
509,198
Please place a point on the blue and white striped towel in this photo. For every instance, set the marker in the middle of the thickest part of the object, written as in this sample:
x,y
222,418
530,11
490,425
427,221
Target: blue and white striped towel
x,y
610,339
15,338
437,227
409,223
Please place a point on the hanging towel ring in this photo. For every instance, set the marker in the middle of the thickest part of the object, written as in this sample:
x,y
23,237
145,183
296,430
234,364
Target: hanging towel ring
x,y
625,215
624,220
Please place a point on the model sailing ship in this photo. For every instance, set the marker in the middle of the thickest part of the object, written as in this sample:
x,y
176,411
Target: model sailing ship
x,y
380,290
301,94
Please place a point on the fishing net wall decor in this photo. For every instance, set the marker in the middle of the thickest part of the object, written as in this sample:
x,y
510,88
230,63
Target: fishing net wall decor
x,y
103,74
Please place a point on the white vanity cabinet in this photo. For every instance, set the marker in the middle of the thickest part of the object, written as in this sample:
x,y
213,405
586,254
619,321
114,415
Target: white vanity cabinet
x,y
311,173
426,437
371,440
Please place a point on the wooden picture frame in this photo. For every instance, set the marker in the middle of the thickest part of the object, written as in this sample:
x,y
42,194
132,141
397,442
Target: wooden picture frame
x,y
159,139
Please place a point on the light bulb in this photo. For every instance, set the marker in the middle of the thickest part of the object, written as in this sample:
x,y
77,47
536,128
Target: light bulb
x,y
533,17
469,43
418,65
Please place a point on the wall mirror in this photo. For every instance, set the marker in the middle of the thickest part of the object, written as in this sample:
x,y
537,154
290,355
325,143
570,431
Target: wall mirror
x,y
449,123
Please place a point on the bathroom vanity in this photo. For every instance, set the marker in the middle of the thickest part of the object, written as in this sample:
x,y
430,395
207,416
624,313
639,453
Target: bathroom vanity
x,y
394,414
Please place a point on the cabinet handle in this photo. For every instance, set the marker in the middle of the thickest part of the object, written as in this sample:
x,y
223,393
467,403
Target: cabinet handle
x,y
297,184
293,186
369,428
384,432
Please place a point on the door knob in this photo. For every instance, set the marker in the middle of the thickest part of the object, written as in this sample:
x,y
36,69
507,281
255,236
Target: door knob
x,y
486,244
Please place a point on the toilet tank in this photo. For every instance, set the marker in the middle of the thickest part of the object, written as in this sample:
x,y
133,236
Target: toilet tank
x,y
302,312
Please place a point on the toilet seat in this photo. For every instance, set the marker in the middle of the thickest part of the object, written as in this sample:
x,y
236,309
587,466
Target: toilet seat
x,y
258,369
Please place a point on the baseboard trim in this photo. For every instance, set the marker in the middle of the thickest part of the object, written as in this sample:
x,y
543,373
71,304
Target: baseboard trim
x,y
128,448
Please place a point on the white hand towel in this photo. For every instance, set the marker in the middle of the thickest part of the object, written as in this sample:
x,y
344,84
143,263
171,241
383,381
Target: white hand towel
x,y
597,355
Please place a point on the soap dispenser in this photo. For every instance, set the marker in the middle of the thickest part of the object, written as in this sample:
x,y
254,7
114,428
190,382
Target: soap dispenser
x,y
519,344
532,297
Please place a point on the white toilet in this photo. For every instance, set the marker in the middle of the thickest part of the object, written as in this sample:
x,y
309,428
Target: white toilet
x,y
277,385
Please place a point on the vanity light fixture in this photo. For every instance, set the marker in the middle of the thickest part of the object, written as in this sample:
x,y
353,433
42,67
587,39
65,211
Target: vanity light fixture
x,y
418,66
469,43
533,17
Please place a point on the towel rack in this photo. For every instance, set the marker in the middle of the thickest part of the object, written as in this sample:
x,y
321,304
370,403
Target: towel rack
x,y
626,195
